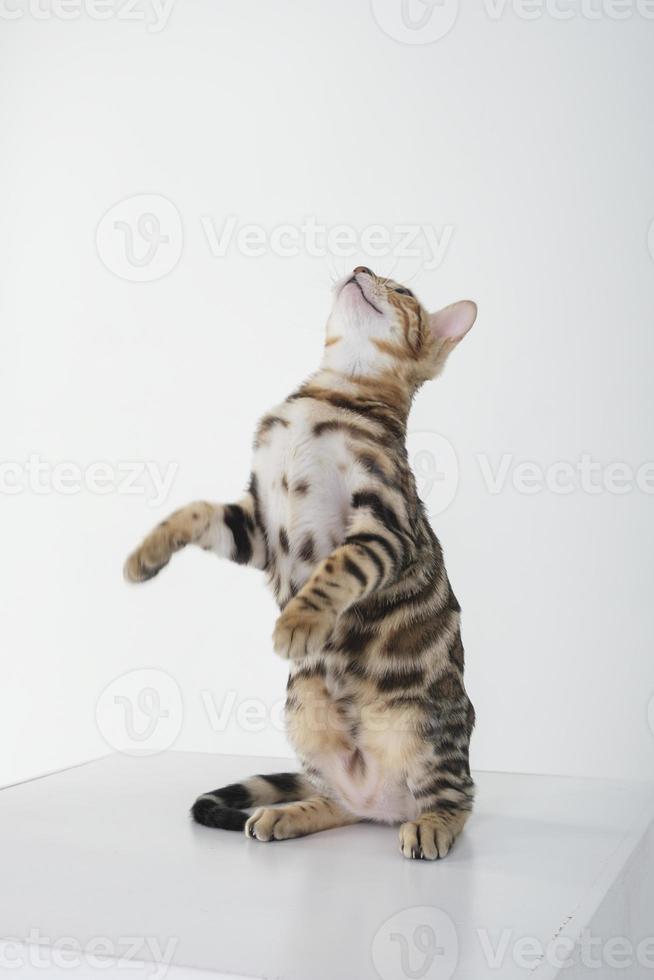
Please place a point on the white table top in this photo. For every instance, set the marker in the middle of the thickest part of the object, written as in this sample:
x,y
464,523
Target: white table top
x,y
107,851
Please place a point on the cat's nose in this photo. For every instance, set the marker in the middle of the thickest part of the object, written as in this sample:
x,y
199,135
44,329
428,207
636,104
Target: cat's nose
x,y
364,268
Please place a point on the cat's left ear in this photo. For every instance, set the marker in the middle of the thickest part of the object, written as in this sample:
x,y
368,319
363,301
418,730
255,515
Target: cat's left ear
x,y
447,328
454,322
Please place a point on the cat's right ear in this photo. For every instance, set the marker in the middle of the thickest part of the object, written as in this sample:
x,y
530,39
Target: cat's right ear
x,y
447,328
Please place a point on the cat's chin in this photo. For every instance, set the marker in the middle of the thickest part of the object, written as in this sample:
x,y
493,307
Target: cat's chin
x,y
353,297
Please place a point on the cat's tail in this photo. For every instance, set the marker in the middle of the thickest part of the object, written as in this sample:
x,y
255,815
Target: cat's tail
x,y
225,807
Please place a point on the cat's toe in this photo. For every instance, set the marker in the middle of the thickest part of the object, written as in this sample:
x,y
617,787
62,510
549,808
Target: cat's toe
x,y
261,824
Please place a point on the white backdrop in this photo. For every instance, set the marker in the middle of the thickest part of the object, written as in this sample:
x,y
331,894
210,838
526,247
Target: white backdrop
x,y
519,152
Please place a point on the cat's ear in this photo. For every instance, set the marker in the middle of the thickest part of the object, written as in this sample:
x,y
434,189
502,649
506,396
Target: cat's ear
x,y
446,329
454,322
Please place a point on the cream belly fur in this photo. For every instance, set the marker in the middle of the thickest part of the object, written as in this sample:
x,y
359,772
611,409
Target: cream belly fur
x,y
358,748
362,786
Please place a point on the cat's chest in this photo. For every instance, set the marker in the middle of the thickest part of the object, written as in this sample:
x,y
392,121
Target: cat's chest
x,y
303,489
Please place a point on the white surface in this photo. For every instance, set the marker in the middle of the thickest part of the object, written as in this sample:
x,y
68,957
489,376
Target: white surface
x,y
107,851
533,140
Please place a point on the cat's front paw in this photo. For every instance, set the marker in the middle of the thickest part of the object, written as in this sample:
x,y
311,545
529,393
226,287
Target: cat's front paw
x,y
181,528
148,559
302,630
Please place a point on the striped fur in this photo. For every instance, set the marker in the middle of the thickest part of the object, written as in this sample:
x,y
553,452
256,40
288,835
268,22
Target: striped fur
x,y
376,705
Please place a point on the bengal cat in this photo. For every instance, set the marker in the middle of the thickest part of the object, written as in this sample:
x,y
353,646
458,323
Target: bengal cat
x,y
376,706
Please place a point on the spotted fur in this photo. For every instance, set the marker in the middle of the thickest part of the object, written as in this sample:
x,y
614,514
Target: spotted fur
x,y
376,705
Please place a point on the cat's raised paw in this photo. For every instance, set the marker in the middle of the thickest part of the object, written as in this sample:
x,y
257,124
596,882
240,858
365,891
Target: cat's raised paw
x,y
301,630
181,528
148,560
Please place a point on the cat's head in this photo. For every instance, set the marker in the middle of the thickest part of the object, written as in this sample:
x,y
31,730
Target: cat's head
x,y
378,326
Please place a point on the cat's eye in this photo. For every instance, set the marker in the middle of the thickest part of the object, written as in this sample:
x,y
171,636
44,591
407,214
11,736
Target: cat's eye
x,y
404,292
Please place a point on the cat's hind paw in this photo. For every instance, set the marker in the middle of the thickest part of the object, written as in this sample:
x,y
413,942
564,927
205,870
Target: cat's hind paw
x,y
274,823
431,836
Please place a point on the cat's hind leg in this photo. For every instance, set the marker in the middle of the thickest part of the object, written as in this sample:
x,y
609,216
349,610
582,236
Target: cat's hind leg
x,y
444,794
297,819
431,836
